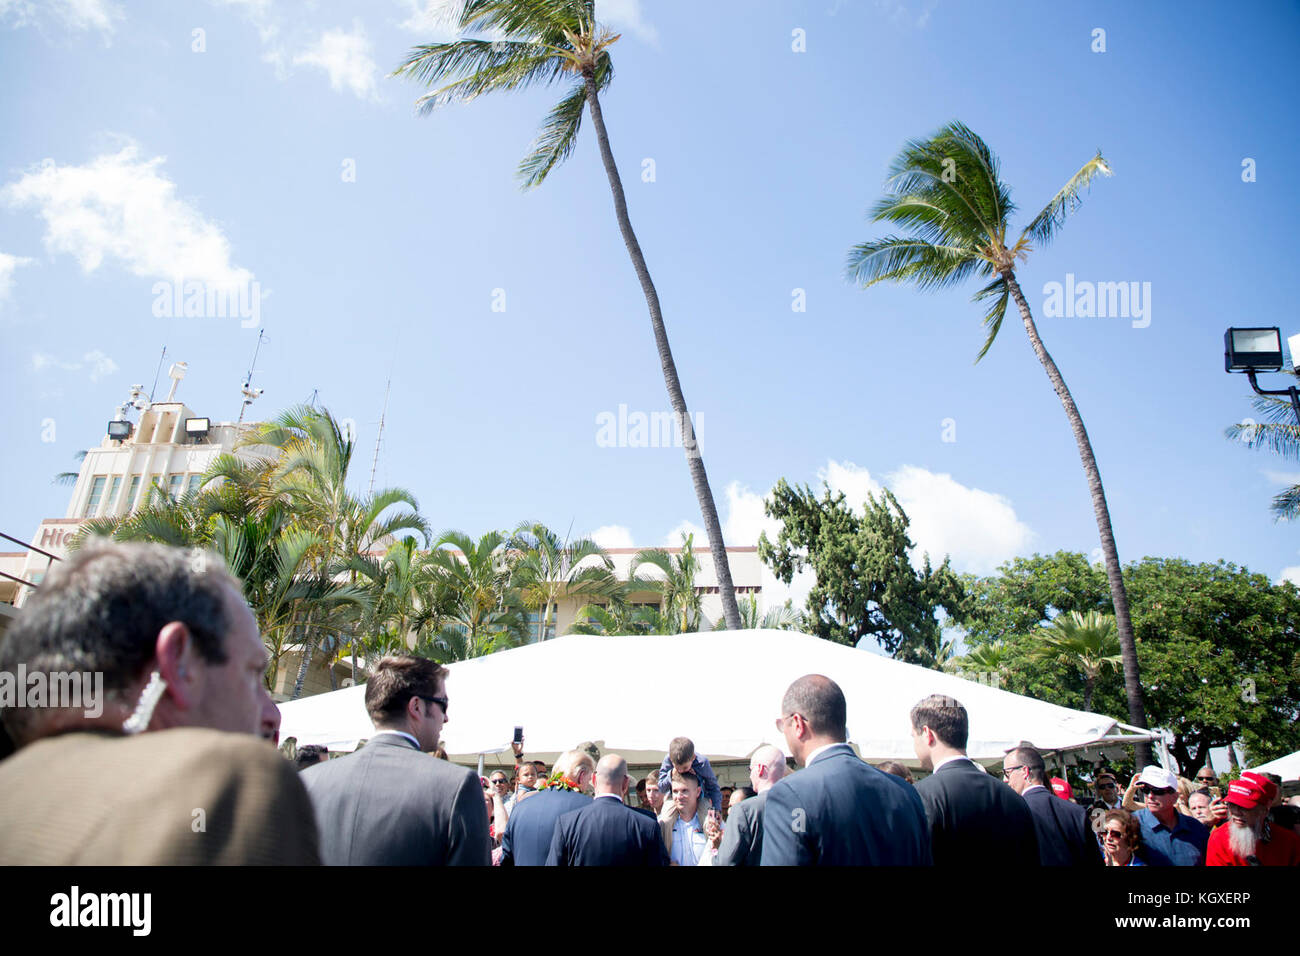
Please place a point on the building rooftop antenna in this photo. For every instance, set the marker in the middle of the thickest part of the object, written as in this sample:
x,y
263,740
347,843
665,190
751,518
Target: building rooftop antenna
x,y
157,373
382,415
251,394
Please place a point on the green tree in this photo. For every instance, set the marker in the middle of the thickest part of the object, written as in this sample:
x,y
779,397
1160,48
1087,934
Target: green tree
x,y
681,599
559,41
866,586
946,192
1084,641
1220,651
1219,648
309,474
483,612
545,566
781,618
1028,592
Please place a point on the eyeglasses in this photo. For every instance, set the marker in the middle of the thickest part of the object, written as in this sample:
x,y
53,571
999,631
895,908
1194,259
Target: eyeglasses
x,y
1106,786
1008,771
1112,834
440,701
780,721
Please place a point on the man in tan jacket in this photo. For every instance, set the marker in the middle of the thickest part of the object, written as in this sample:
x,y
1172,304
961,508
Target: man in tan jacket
x,y
153,639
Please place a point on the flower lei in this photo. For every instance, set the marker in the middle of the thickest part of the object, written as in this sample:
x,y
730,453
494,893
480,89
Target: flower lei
x,y
557,781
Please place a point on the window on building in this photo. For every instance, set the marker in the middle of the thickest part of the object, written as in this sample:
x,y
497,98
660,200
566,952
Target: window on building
x,y
174,487
96,495
112,494
195,480
129,505
535,616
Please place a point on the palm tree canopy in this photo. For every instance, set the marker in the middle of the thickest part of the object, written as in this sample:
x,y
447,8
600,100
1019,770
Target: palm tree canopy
x,y
535,42
1090,640
947,193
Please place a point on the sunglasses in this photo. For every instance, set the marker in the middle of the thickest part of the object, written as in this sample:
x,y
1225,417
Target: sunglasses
x,y
1113,834
1156,791
440,701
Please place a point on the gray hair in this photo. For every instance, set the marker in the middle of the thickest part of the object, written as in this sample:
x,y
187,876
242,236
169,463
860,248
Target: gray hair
x,y
100,611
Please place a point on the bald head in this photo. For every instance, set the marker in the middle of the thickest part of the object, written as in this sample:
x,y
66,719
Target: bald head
x,y
611,775
820,702
766,767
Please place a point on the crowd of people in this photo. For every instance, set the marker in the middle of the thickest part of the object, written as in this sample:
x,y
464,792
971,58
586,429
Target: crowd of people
x,y
173,767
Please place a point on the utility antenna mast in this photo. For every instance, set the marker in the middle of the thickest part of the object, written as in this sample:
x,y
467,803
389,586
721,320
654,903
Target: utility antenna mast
x,y
382,415
251,394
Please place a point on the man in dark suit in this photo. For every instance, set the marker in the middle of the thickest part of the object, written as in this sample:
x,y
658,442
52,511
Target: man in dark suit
x,y
838,810
527,840
742,842
606,832
390,804
1064,836
975,820
157,760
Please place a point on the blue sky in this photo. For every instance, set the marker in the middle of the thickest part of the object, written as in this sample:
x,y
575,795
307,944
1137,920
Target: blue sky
x,y
130,157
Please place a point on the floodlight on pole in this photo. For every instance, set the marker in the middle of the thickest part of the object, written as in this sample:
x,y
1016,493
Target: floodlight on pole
x,y
1257,350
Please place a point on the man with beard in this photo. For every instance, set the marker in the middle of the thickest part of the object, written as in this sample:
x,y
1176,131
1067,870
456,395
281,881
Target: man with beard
x,y
1249,839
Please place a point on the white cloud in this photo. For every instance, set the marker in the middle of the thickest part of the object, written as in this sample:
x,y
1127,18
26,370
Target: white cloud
x,y
95,364
673,539
121,207
1291,574
979,529
434,20
625,16
855,482
346,58
79,15
613,536
8,265
1282,477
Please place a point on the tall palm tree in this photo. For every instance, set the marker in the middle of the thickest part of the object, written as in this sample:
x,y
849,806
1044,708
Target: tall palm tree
x,y
545,566
1086,641
549,41
947,193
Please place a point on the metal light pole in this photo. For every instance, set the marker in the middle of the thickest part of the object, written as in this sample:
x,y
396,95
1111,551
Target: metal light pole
x,y
1260,350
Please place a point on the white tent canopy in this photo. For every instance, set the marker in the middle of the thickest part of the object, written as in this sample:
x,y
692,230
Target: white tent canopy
x,y
632,695
1288,767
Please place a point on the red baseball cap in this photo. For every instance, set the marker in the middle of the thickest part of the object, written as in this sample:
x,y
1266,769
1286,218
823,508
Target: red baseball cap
x,y
1251,790
1062,788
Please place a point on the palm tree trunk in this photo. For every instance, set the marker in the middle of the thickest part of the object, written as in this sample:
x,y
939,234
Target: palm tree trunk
x,y
309,645
1118,595
694,458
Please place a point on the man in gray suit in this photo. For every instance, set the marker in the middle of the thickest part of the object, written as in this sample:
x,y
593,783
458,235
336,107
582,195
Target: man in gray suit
x,y
742,843
391,804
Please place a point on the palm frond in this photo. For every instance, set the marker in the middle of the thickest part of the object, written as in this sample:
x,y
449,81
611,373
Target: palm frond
x,y
1000,292
556,139
901,259
1046,224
